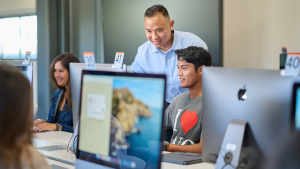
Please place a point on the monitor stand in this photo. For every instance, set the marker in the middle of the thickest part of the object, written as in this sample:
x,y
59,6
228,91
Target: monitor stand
x,y
230,152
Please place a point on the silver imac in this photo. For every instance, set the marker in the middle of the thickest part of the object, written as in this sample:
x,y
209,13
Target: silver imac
x,y
75,78
27,71
262,98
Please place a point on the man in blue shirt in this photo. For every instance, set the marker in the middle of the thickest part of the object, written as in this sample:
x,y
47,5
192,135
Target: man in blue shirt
x,y
157,55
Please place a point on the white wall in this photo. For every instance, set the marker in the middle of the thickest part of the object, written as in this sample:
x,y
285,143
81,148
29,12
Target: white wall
x,y
255,30
17,7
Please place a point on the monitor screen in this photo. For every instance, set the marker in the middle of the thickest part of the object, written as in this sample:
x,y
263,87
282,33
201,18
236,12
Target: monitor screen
x,y
262,98
121,118
296,107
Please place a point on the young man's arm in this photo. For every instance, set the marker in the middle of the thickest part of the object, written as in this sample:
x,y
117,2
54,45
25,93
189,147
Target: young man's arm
x,y
194,148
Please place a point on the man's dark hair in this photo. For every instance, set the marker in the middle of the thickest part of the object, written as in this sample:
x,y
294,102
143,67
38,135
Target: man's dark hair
x,y
195,55
153,10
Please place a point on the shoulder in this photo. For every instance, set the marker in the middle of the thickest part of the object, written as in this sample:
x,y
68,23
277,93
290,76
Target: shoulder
x,y
183,95
180,97
188,36
190,39
56,93
30,157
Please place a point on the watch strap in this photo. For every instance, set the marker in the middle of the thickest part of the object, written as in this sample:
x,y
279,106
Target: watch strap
x,y
57,127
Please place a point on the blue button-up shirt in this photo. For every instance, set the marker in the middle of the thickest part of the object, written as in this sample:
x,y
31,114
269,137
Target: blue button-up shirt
x,y
150,59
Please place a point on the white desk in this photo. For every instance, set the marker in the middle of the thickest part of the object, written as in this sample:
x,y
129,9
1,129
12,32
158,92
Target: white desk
x,y
54,163
62,138
52,138
59,137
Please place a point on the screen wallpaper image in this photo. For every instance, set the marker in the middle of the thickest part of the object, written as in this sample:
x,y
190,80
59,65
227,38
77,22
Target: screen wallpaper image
x,y
140,102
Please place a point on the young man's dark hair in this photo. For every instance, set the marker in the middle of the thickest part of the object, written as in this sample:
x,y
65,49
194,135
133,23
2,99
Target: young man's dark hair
x,y
156,9
195,55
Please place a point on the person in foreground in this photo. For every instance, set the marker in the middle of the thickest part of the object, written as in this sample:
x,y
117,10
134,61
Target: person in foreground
x,y
60,116
16,149
184,114
157,55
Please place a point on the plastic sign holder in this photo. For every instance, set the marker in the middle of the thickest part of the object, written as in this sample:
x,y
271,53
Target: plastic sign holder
x,y
118,63
283,49
27,58
292,65
230,152
89,60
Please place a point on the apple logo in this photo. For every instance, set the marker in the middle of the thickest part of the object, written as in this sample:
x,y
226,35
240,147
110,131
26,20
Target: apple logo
x,y
242,94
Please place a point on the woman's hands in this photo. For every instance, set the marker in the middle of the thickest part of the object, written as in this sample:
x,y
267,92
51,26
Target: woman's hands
x,y
36,122
45,127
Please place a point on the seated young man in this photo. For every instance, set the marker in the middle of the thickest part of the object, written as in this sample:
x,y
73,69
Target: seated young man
x,y
184,113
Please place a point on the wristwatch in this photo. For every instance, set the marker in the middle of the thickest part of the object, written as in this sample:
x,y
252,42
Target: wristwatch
x,y
165,145
57,127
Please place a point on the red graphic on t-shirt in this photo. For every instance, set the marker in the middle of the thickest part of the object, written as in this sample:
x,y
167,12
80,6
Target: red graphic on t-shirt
x,y
188,120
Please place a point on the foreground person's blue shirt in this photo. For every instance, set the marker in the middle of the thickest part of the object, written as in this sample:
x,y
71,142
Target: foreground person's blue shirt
x,y
66,116
150,59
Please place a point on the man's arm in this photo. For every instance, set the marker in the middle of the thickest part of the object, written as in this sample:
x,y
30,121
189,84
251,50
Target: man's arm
x,y
194,148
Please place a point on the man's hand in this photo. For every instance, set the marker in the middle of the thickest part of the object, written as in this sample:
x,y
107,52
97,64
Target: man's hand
x,y
45,127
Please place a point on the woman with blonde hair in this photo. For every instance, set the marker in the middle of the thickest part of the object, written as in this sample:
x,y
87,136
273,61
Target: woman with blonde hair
x,y
60,117
16,149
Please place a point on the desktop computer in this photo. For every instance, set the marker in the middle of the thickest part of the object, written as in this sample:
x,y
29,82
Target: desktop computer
x,y
26,70
258,100
121,117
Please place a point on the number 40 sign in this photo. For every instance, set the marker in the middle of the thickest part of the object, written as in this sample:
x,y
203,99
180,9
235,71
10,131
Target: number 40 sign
x,y
292,64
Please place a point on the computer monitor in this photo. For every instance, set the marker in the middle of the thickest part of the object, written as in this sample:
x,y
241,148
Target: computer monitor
x,y
75,78
266,108
121,117
296,107
26,70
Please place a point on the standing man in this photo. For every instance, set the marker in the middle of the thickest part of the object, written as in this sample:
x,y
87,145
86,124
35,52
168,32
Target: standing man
x,y
185,112
157,55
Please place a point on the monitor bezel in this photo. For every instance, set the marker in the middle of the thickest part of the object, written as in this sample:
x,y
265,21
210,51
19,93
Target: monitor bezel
x,y
80,154
293,109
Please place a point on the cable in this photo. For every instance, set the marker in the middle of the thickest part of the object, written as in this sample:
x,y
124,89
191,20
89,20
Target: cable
x,y
72,148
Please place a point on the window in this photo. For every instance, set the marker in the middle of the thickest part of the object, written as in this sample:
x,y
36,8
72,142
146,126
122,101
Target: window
x,y
18,35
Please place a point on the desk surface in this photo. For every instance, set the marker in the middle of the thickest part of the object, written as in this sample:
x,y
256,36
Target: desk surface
x,y
59,165
62,138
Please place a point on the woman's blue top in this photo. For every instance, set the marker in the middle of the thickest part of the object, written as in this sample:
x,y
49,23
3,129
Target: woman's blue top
x,y
66,116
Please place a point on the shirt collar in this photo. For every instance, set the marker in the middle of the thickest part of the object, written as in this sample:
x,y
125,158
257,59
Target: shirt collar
x,y
176,44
